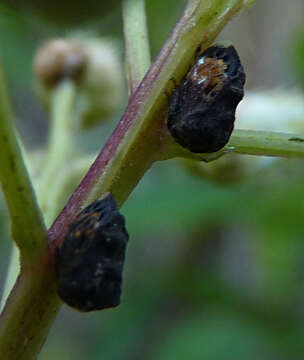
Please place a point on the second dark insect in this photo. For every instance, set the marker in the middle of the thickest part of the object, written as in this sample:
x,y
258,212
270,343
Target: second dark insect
x,y
89,264
201,110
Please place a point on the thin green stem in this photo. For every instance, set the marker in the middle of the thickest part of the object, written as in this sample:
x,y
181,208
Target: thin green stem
x,y
266,143
33,303
136,42
248,142
63,126
28,228
23,322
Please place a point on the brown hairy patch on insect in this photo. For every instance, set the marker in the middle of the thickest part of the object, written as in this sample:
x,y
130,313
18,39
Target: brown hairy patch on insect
x,y
210,73
201,110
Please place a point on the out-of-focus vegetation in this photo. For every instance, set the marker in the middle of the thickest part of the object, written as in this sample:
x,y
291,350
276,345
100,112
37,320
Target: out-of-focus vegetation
x,y
67,13
213,270
298,55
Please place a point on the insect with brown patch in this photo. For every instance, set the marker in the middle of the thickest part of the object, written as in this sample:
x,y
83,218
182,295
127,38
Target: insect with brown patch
x,y
201,110
89,264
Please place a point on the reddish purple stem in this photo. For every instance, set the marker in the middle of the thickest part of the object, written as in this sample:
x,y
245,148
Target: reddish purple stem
x,y
136,103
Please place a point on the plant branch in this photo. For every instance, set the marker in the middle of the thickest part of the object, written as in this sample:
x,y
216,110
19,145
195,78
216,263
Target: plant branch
x,y
33,303
136,42
26,317
141,135
248,142
28,229
64,123
267,143
29,312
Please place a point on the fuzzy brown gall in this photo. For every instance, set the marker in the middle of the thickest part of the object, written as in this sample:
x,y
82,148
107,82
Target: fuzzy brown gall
x,y
89,264
60,59
201,110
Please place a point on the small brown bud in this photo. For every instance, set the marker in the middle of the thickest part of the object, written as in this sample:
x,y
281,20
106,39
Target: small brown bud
x,y
93,65
59,59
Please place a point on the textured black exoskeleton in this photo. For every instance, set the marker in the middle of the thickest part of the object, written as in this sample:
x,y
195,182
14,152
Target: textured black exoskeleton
x,y
201,110
89,263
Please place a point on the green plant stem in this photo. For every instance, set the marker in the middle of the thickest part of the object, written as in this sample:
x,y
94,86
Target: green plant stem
x,y
266,143
136,42
27,225
141,136
63,126
29,312
33,302
248,142
18,328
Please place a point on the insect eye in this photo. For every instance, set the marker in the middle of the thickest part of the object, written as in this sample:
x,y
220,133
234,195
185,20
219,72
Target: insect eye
x,y
202,119
89,264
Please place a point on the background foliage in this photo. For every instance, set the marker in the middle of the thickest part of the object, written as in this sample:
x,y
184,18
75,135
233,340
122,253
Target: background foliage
x,y
213,271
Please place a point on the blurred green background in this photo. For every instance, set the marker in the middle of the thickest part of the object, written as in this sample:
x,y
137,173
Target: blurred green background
x,y
214,270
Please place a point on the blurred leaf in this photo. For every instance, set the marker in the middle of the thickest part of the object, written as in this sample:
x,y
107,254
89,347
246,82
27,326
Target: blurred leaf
x,y
162,16
298,56
65,13
217,336
18,40
176,200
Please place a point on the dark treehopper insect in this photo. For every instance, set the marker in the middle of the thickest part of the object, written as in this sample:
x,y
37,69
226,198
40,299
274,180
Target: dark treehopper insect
x,y
201,110
89,264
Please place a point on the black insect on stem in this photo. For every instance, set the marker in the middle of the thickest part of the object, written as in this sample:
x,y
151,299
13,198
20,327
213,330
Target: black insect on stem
x,y
89,264
201,110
